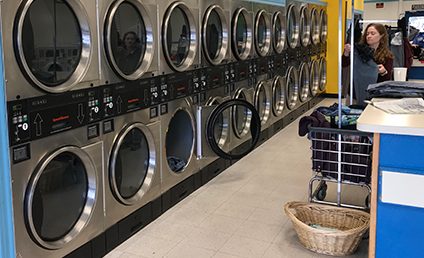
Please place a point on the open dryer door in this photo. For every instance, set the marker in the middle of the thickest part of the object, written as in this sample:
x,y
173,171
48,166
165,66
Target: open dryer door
x,y
213,125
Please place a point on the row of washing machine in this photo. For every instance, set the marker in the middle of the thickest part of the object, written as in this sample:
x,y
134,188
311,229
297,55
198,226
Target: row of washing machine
x,y
68,45
107,132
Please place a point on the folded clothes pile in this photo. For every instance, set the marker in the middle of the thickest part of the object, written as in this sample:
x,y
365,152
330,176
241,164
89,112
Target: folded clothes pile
x,y
396,89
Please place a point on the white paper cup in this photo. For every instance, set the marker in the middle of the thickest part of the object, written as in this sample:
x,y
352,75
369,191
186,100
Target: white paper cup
x,y
400,73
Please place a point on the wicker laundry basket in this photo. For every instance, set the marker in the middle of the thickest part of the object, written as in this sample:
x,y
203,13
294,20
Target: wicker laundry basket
x,y
350,225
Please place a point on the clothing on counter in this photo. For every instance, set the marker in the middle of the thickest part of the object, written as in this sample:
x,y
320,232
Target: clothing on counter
x,y
396,89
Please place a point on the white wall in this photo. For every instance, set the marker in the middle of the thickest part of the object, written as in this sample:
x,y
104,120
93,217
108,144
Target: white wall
x,y
391,10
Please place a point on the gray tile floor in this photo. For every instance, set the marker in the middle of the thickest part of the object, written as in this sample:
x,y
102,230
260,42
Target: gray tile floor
x,y
240,212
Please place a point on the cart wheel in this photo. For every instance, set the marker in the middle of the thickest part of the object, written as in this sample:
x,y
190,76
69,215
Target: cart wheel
x,y
322,192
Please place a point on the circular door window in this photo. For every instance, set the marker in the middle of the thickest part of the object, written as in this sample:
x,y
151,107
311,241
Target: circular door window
x,y
315,31
278,96
305,26
279,32
67,176
292,26
292,86
323,26
315,74
132,164
262,33
241,117
179,140
304,77
262,102
323,74
129,39
179,37
242,34
53,43
220,127
215,35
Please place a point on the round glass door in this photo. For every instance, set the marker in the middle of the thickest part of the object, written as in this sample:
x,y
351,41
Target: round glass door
x,y
292,87
315,74
305,26
241,117
179,37
53,43
262,33
215,35
262,102
179,140
323,26
292,26
132,164
278,96
220,127
323,74
242,34
315,26
279,32
129,39
304,76
67,176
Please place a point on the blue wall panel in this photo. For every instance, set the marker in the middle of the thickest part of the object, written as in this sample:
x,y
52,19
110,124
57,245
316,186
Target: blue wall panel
x,y
400,228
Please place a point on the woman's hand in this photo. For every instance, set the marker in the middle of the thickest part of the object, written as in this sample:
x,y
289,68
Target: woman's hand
x,y
347,49
382,70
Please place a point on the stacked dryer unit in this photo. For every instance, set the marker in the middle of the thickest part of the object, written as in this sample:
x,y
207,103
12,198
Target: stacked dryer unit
x,y
179,27
56,157
215,17
131,129
241,73
262,27
279,68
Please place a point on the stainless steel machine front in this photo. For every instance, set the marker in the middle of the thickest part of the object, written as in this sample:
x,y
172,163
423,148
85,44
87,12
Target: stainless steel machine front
x,y
242,30
52,46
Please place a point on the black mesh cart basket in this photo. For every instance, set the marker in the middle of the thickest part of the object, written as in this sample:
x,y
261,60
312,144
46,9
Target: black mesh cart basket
x,y
339,156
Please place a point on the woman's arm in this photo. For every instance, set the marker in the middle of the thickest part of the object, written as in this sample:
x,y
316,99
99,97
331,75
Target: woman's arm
x,y
386,76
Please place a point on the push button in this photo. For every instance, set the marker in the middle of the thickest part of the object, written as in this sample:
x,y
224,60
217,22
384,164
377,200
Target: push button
x,y
93,131
21,153
108,126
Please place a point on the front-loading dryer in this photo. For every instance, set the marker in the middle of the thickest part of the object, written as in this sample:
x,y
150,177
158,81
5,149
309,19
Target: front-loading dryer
x,y
57,186
129,40
323,26
52,46
179,28
314,82
262,103
132,161
292,94
304,82
262,29
242,43
278,29
323,73
215,32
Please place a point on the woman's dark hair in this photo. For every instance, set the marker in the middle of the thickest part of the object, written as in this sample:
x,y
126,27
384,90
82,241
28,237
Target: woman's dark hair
x,y
382,52
137,40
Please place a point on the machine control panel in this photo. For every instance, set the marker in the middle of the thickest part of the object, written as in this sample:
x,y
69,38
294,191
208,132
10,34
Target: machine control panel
x,y
39,117
215,76
177,85
244,70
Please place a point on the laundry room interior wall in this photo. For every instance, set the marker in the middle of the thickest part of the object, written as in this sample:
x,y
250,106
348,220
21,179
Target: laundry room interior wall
x,y
390,11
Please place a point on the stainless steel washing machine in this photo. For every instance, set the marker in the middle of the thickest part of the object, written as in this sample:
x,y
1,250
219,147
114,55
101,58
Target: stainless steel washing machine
x,y
262,29
179,27
304,82
52,46
57,183
323,28
292,94
315,70
292,28
132,162
262,102
315,25
129,40
323,73
241,117
278,25
242,30
215,32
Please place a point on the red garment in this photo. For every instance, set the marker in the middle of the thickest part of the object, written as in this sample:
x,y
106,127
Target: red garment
x,y
408,53
388,64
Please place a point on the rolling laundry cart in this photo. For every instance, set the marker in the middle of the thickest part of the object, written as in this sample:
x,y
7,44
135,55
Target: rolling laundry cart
x,y
339,156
